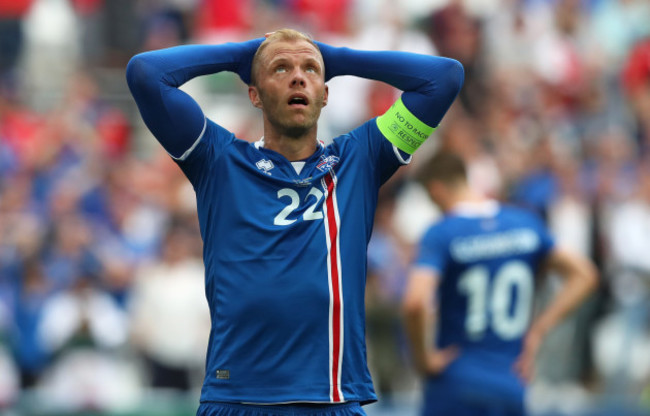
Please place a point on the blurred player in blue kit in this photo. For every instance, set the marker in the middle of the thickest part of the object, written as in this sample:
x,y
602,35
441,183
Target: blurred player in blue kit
x,y
469,299
286,220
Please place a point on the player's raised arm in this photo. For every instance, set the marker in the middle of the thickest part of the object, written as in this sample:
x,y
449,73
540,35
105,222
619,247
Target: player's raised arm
x,y
430,85
580,279
173,117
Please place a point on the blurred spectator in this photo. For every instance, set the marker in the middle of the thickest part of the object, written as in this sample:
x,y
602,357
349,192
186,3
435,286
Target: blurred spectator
x,y
51,51
31,353
11,34
218,19
462,136
636,80
9,380
622,338
617,25
610,166
538,186
169,313
457,34
67,258
323,16
565,359
89,380
18,127
629,239
87,330
163,23
91,20
388,260
83,314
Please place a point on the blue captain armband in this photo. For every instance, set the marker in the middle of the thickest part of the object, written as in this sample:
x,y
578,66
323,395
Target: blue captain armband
x,y
400,127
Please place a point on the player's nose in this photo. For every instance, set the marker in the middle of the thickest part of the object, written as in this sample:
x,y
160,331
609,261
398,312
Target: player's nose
x,y
298,79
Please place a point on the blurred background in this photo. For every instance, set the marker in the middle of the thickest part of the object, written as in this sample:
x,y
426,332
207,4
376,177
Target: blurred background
x,y
102,310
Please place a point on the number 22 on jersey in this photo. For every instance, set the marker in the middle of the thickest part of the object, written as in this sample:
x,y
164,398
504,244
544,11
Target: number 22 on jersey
x,y
310,214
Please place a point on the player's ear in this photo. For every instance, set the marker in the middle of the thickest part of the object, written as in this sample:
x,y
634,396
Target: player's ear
x,y
254,95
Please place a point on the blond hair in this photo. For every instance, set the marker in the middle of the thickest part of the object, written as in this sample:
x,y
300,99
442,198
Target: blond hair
x,y
281,35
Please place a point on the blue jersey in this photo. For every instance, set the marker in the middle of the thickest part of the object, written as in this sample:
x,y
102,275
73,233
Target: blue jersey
x,y
285,257
487,257
285,243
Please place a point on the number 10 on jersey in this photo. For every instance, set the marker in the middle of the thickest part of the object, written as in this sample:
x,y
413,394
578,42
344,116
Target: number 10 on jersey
x,y
503,303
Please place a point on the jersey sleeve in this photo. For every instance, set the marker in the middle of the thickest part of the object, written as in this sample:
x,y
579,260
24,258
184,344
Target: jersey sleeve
x,y
377,156
433,251
198,162
154,77
429,84
547,240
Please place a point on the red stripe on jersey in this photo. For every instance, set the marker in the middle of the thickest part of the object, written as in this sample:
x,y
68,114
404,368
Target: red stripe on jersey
x,y
336,295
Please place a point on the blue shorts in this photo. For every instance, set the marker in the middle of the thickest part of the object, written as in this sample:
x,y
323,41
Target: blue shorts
x,y
468,389
235,409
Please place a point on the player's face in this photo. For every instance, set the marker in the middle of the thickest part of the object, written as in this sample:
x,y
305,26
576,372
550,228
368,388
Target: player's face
x,y
291,88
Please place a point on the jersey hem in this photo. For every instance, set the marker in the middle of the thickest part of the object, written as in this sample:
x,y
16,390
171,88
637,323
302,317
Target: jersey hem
x,y
264,396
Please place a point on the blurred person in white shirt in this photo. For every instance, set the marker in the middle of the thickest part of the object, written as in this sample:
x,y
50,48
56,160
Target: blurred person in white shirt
x,y
170,316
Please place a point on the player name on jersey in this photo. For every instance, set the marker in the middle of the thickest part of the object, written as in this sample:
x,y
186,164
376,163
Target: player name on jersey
x,y
477,247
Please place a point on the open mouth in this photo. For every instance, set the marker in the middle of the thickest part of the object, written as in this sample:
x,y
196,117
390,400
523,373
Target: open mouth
x,y
298,100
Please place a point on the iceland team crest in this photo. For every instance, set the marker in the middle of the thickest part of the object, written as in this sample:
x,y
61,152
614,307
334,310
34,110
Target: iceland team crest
x,y
327,162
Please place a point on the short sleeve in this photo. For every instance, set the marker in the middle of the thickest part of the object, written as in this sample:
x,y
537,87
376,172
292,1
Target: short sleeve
x,y
433,251
547,240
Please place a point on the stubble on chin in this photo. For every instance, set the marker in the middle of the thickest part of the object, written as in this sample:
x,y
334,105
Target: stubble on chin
x,y
292,128
297,132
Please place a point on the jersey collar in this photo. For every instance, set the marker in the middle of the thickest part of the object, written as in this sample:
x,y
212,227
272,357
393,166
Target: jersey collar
x,y
486,208
260,143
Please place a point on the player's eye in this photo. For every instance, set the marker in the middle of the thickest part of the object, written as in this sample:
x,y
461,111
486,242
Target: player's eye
x,y
311,69
280,69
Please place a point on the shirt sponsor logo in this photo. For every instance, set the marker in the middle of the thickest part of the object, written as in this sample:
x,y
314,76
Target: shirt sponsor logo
x,y
327,162
265,166
303,182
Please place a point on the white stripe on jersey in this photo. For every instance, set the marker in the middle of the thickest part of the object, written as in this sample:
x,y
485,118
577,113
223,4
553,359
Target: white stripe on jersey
x,y
196,143
332,227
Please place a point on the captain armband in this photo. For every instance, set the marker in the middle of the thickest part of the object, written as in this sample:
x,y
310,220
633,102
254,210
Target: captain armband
x,y
400,127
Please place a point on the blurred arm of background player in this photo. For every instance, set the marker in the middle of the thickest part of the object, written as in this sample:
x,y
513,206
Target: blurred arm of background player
x,y
580,280
420,322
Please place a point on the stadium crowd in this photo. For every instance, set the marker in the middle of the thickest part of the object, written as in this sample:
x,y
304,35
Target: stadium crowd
x,y
101,286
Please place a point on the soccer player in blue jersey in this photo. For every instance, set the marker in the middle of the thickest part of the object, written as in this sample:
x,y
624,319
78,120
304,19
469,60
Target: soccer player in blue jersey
x,y
285,221
469,299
